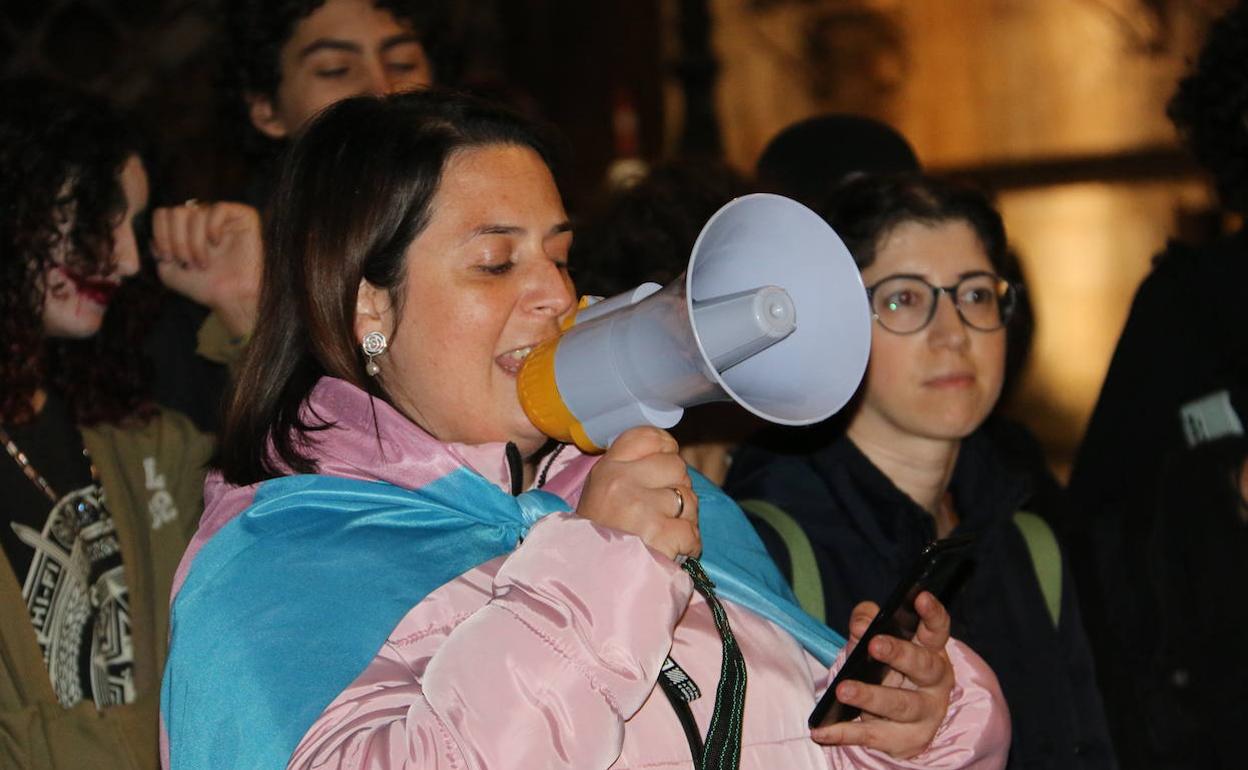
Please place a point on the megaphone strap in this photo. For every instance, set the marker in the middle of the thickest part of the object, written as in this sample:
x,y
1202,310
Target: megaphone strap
x,y
680,689
722,749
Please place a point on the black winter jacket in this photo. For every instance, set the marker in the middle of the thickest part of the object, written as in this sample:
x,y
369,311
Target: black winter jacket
x,y
865,532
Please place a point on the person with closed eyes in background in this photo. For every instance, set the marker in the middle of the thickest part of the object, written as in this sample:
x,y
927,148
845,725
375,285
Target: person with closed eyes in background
x,y
914,463
288,59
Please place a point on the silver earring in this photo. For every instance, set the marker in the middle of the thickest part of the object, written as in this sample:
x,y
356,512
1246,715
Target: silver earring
x,y
373,344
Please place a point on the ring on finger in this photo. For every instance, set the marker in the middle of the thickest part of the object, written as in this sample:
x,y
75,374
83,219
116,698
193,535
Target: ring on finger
x,y
680,502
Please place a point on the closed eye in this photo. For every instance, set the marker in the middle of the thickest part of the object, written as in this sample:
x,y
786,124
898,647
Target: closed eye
x,y
403,67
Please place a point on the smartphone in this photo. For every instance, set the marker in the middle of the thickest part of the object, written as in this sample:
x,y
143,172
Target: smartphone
x,y
938,566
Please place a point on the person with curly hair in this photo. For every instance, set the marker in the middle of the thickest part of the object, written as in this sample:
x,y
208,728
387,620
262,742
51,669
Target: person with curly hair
x,y
1159,535
102,490
288,59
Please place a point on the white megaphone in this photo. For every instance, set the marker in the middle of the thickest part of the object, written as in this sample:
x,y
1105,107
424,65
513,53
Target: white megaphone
x,y
770,313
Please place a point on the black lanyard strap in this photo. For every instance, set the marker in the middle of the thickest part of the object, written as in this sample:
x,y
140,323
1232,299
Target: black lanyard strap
x,y
722,749
680,689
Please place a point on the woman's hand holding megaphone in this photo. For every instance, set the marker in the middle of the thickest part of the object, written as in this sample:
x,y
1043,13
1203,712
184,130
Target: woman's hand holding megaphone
x,y
641,486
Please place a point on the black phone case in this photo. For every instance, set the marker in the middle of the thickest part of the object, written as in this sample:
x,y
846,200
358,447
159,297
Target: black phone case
x,y
937,566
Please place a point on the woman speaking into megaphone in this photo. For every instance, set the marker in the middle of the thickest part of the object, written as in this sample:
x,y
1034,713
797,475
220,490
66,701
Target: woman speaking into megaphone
x,y
397,569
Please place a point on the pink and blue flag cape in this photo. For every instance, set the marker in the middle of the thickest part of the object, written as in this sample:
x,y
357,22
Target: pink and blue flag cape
x,y
289,601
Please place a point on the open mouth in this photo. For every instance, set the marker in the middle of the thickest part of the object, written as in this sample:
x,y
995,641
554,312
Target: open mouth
x,y
98,290
512,360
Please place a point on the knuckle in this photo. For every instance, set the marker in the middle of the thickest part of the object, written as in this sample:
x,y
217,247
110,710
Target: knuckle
x,y
695,534
620,447
646,433
926,667
647,529
909,706
869,736
632,508
613,485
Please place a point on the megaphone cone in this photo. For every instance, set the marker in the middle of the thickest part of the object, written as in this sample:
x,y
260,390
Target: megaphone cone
x,y
770,313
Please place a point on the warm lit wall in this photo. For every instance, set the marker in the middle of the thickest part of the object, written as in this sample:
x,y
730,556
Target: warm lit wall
x,y
1007,80
968,81
1085,248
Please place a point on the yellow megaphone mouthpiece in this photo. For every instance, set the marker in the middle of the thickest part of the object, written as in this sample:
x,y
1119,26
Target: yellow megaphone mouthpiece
x,y
542,402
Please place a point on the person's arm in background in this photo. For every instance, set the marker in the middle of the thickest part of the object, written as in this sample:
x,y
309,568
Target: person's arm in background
x,y
212,253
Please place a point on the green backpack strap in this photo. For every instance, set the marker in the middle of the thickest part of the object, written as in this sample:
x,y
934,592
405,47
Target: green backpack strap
x,y
807,584
1046,559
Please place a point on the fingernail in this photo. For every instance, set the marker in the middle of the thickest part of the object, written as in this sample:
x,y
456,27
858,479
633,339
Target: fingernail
x,y
883,647
849,691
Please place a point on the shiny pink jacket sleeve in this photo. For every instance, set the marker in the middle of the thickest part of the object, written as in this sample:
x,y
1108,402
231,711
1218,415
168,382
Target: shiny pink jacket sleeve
x,y
547,658
974,736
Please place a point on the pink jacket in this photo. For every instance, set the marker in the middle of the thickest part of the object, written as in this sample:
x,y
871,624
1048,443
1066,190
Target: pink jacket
x,y
548,657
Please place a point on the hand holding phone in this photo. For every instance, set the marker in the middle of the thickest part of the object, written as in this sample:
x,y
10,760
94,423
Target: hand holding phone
x,y
937,567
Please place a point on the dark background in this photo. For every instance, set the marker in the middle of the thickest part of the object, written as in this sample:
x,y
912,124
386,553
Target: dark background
x,y
568,62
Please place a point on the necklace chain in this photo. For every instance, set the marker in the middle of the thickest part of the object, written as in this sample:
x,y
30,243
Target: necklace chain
x,y
28,468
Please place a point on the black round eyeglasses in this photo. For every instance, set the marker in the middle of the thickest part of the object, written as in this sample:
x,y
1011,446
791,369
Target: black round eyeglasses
x,y
905,304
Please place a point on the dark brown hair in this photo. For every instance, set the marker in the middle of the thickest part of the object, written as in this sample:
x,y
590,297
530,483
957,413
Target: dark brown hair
x,y
61,155
646,232
864,210
1210,105
353,194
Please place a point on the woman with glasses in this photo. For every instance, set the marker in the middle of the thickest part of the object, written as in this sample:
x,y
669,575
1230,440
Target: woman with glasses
x,y
913,463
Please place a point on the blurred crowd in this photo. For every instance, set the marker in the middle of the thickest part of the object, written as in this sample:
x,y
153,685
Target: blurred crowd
x,y
348,327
